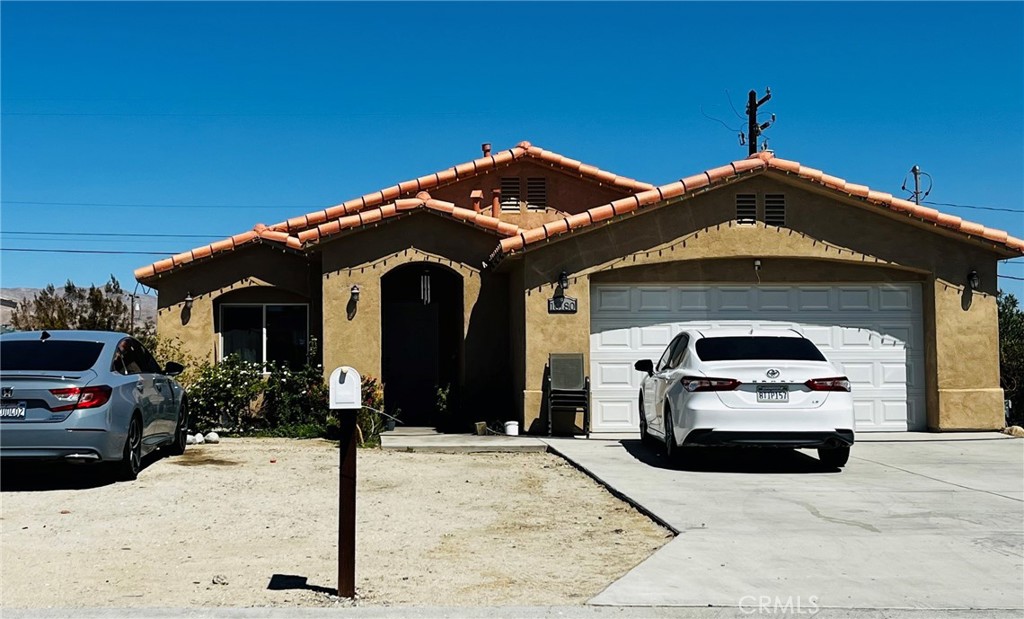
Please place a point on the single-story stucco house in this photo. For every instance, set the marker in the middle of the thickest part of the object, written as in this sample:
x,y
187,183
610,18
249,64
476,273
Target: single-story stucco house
x,y
459,279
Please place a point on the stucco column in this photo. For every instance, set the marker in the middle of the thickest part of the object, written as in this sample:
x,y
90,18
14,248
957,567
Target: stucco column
x,y
552,333
966,341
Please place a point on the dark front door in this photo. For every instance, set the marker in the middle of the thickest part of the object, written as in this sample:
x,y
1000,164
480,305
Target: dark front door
x,y
422,337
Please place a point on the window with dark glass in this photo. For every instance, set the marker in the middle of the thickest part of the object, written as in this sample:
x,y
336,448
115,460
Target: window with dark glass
x,y
266,333
242,330
286,334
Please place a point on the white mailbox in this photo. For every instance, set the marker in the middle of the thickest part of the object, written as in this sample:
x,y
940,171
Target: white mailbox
x,y
346,389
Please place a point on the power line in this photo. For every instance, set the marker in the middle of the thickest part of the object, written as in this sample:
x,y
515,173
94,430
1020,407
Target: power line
x,y
114,234
89,251
143,205
1019,279
974,207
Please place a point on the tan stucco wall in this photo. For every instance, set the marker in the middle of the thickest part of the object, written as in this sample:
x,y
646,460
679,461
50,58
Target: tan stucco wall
x,y
257,274
824,241
364,258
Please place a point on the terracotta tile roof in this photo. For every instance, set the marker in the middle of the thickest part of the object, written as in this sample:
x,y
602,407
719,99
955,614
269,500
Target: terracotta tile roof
x,y
523,150
758,163
259,234
309,228
400,207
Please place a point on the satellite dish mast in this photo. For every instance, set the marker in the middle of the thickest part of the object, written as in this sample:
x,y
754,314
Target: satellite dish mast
x,y
917,194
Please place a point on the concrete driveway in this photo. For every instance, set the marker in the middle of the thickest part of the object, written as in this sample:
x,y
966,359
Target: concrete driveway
x,y
913,521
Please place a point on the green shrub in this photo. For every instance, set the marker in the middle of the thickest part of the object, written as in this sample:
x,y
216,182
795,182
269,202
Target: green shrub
x,y
1011,354
225,395
296,399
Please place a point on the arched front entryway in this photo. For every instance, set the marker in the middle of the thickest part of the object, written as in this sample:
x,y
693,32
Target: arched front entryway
x,y
421,347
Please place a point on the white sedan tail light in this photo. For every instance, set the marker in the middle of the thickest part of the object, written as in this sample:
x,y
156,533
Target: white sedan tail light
x,y
838,383
699,383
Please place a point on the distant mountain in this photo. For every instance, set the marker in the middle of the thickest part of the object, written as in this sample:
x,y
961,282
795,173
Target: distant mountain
x,y
10,297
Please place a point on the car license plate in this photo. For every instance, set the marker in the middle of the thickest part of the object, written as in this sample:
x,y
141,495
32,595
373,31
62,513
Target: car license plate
x,y
772,394
12,410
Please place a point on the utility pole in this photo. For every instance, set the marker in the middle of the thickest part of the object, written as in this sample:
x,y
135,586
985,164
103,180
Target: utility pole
x,y
754,130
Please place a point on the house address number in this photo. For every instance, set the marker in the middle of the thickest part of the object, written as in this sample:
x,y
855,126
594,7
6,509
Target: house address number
x,y
561,305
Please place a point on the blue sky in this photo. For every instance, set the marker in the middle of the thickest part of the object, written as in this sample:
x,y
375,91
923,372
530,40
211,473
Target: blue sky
x,y
240,113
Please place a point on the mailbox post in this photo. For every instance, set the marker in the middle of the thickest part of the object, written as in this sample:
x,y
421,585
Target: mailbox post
x,y
346,397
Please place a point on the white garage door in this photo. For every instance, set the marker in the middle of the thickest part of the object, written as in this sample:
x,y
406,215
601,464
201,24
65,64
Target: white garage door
x,y
873,332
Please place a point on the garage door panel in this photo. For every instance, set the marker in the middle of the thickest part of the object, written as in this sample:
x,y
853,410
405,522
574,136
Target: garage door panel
x,y
822,336
857,299
860,374
895,298
810,299
694,299
614,374
872,332
617,412
615,338
894,411
610,299
738,299
655,299
893,374
774,299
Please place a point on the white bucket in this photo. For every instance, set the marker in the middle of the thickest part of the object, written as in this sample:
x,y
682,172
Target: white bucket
x,y
511,428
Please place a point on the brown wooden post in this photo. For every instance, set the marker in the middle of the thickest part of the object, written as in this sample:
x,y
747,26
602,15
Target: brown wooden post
x,y
347,507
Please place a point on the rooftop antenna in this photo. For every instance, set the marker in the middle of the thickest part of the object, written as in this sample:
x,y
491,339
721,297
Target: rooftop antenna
x,y
918,195
755,129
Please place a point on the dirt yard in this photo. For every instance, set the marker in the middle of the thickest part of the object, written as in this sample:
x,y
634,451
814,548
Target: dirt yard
x,y
253,522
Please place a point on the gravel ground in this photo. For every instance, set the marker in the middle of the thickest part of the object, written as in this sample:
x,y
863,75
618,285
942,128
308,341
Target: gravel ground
x,y
253,522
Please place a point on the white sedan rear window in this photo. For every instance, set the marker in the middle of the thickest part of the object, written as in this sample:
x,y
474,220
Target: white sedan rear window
x,y
757,347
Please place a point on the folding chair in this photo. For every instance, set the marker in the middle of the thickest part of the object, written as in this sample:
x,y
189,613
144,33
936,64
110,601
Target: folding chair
x,y
568,390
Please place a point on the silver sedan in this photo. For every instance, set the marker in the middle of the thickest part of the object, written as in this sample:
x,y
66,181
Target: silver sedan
x,y
88,396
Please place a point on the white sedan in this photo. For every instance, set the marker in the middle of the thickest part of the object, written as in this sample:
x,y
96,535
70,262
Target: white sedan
x,y
758,387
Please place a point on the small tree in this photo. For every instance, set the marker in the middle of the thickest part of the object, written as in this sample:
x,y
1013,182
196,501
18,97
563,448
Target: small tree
x,y
1011,352
94,308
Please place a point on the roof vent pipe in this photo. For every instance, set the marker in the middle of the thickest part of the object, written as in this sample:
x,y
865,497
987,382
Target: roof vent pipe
x,y
496,203
486,147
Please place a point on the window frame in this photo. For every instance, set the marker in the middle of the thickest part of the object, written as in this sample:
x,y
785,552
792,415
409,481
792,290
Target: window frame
x,y
263,312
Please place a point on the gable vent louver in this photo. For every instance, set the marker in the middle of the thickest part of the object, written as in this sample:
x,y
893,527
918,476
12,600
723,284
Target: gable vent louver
x,y
510,193
746,208
536,192
774,209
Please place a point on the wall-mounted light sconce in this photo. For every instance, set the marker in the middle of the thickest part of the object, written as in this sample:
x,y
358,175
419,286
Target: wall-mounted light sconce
x,y
354,291
563,280
973,280
188,300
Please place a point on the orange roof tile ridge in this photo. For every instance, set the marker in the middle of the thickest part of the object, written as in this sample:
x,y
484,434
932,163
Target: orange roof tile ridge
x,y
766,160
896,204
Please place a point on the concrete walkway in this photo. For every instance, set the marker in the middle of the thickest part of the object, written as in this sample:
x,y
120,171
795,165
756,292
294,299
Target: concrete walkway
x,y
428,439
928,524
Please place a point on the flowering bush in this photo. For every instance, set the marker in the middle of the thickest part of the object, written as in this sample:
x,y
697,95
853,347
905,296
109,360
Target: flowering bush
x,y
225,395
295,401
